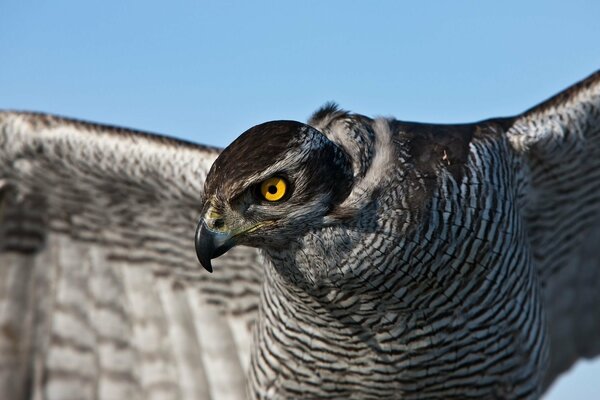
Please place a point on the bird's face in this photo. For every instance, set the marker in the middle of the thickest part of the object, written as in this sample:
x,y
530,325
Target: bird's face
x,y
272,184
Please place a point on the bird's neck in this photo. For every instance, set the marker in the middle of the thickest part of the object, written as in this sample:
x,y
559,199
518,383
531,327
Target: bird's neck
x,y
300,329
342,300
332,326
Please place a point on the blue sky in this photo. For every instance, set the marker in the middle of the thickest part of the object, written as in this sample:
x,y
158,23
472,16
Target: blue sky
x,y
206,71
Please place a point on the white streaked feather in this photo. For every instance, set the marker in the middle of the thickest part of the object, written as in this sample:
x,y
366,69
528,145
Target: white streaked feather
x,y
109,298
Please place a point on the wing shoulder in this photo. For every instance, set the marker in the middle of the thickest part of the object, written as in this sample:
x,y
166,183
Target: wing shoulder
x,y
560,142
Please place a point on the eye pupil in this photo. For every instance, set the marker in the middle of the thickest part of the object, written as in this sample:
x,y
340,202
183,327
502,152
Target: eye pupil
x,y
273,189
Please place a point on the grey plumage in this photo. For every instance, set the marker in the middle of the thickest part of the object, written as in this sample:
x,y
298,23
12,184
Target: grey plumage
x,y
446,261
96,222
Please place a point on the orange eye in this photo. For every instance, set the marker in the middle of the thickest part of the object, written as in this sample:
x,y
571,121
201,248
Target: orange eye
x,y
273,189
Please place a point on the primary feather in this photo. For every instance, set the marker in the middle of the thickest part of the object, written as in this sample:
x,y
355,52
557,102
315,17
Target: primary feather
x,y
101,295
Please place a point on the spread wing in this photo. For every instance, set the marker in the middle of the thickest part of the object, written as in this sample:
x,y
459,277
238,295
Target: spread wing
x,y
100,292
561,141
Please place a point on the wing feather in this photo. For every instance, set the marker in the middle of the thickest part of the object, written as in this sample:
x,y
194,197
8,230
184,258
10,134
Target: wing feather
x,y
560,140
101,295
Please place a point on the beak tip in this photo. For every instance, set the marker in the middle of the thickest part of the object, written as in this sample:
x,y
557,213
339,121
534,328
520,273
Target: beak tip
x,y
207,266
209,245
202,252
204,260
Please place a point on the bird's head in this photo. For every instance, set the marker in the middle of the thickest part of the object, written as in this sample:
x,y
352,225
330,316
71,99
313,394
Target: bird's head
x,y
272,184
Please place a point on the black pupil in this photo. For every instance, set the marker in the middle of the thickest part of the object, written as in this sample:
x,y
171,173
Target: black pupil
x,y
272,189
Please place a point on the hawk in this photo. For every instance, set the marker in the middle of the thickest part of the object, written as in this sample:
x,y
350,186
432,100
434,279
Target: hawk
x,y
395,259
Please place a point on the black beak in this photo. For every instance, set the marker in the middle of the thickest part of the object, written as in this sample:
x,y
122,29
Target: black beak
x,y
211,244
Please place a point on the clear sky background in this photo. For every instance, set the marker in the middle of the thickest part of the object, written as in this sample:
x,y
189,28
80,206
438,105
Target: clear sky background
x,y
206,71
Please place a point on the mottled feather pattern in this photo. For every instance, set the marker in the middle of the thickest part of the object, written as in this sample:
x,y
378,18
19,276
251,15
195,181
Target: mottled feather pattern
x,y
562,140
105,218
387,315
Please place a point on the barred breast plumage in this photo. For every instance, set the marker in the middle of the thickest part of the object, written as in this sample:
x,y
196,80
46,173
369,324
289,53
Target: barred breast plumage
x,y
398,260
428,277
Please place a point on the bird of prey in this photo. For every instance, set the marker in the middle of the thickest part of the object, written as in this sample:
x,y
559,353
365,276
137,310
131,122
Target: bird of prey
x,y
395,259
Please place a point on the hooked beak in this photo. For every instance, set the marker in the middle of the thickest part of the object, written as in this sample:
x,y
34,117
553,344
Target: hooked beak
x,y
211,244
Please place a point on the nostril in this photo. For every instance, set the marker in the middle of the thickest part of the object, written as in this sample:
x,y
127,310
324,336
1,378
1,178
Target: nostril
x,y
218,223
